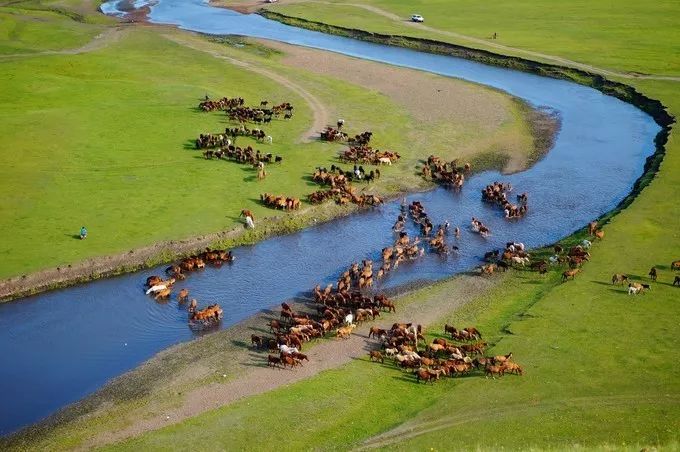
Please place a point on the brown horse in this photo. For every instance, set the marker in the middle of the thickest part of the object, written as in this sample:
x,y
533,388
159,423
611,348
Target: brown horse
x,y
492,371
570,274
426,376
247,213
675,265
376,356
619,278
163,294
183,295
513,368
273,361
592,227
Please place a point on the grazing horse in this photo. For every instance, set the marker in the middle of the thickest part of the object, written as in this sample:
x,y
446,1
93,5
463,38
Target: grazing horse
x,y
599,234
676,281
652,274
570,274
494,370
619,278
513,368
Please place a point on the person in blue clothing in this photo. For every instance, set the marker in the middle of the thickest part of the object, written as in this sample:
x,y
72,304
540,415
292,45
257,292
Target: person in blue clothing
x,y
83,233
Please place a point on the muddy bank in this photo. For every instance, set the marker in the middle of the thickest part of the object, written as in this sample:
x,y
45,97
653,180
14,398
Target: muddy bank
x,y
193,377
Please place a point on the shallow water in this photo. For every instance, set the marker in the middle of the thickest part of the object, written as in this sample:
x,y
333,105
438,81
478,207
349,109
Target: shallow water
x,y
60,346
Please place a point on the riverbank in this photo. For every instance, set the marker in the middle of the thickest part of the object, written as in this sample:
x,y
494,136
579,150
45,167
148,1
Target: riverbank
x,y
507,126
222,368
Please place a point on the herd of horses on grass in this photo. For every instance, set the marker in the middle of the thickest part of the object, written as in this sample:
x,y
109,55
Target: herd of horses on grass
x,y
635,288
441,357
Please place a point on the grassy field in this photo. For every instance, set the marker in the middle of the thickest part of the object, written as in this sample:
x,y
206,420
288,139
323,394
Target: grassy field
x,y
117,155
587,382
600,365
624,35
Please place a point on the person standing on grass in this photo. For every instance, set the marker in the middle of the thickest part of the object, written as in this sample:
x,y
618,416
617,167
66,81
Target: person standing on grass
x,y
83,233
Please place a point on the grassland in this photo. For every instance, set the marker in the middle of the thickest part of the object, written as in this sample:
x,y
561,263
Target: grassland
x,y
102,137
628,36
600,364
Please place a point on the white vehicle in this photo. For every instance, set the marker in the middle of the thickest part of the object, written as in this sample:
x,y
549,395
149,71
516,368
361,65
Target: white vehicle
x,y
417,18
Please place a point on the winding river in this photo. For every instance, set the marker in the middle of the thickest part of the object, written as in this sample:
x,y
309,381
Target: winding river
x,y
63,345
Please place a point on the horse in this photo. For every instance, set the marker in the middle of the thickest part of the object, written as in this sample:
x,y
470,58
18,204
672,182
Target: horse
x,y
183,295
425,375
675,265
619,278
652,274
570,274
273,361
376,356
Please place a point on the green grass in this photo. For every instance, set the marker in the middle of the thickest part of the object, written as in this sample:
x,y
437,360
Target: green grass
x,y
600,365
596,373
624,35
116,156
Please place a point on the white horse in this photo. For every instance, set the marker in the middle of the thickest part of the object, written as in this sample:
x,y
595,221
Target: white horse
x,y
384,161
283,348
586,244
268,139
349,319
250,223
156,288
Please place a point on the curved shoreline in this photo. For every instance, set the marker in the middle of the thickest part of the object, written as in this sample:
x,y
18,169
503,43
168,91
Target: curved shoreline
x,y
544,125
621,91
167,251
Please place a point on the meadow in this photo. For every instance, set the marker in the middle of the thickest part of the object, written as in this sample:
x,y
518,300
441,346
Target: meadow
x,y
103,136
600,364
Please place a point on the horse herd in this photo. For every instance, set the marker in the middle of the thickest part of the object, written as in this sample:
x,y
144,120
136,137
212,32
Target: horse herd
x,y
336,314
341,189
635,288
161,289
496,193
448,174
441,357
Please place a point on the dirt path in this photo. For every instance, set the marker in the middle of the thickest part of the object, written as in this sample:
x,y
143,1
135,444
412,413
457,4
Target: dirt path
x,y
251,6
257,378
319,111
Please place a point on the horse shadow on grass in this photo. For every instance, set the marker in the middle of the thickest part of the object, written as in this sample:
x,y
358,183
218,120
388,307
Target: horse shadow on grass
x,y
73,236
602,283
189,145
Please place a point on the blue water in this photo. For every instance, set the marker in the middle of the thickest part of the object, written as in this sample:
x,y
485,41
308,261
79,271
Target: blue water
x,y
58,347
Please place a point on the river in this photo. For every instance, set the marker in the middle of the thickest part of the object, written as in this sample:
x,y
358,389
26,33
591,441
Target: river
x,y
60,346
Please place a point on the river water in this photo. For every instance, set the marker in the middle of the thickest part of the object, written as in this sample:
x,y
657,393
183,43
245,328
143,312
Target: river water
x,y
60,346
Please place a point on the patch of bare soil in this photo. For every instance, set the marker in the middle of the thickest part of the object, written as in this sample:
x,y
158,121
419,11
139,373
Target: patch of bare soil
x,y
254,377
427,97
